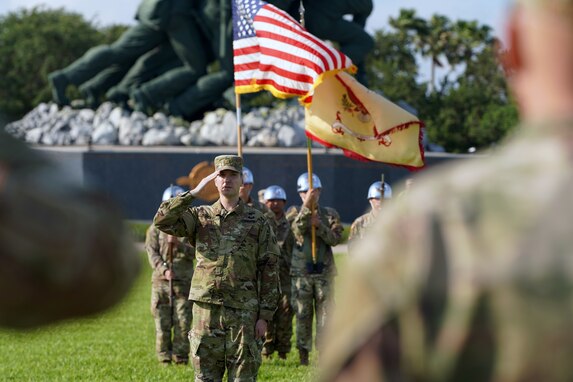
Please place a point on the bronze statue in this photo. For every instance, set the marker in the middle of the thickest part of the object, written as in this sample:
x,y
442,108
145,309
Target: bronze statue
x,y
179,57
325,19
159,21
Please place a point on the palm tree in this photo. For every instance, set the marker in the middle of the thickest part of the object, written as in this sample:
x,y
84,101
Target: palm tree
x,y
430,38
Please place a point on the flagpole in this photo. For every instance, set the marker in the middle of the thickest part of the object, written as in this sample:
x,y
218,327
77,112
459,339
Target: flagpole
x,y
222,32
312,207
309,165
239,135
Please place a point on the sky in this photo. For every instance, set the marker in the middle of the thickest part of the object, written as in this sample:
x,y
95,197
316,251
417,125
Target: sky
x,y
107,12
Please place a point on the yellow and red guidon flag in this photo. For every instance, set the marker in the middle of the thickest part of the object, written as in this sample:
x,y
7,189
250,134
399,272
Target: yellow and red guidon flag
x,y
272,51
366,126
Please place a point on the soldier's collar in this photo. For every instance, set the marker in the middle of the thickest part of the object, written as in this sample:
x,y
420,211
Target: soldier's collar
x,y
240,206
218,208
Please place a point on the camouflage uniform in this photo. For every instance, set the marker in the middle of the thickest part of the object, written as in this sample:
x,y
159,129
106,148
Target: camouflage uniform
x,y
258,206
468,277
312,290
279,332
65,251
236,251
178,316
358,229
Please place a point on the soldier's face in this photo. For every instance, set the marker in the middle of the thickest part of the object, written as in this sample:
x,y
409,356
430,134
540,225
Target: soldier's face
x,y
375,204
228,183
276,205
304,194
245,190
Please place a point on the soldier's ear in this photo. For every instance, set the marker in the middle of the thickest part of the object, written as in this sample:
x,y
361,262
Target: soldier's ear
x,y
511,59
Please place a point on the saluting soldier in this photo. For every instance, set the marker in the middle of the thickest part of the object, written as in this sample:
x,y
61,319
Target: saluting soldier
x,y
235,285
312,277
375,197
171,259
279,333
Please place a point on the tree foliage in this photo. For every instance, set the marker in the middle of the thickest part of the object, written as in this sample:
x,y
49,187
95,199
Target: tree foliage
x,y
392,68
35,42
469,106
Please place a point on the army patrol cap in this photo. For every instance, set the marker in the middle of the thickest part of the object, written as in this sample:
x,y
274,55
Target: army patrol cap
x,y
229,162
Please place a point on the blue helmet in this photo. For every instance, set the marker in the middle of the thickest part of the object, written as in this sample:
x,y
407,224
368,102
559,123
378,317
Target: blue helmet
x,y
247,176
375,190
274,192
172,191
302,182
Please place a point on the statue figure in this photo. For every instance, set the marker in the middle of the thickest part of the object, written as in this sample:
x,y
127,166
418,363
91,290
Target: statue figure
x,y
151,65
184,93
94,89
159,21
179,57
325,19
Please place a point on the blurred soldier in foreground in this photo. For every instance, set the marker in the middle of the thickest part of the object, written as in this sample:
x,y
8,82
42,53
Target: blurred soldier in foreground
x,y
235,285
245,192
171,259
469,276
375,198
65,252
312,278
279,332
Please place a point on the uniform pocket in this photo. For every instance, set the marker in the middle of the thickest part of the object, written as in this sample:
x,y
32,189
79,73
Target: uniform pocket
x,y
154,303
195,343
255,347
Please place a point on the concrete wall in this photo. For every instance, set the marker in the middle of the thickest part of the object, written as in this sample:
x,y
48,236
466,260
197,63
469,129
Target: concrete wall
x,y
136,177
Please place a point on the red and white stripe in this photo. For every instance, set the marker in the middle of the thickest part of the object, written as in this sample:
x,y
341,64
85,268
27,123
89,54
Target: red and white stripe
x,y
283,57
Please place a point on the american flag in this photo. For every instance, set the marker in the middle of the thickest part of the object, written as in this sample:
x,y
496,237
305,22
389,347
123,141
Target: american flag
x,y
272,51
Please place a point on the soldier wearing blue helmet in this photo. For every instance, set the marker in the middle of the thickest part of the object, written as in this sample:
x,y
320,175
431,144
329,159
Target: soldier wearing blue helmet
x,y
302,184
275,193
171,259
245,191
279,333
171,191
377,193
312,276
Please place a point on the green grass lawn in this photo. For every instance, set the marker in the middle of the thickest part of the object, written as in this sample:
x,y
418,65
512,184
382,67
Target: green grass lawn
x,y
115,346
